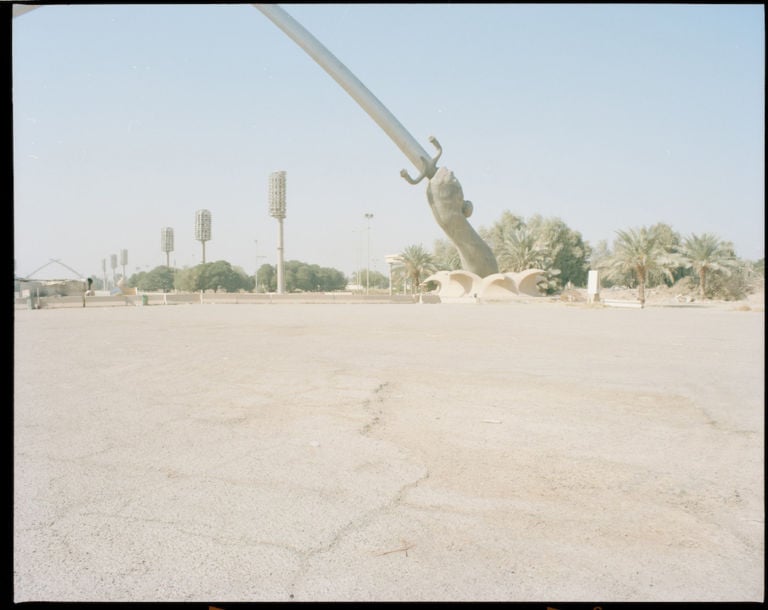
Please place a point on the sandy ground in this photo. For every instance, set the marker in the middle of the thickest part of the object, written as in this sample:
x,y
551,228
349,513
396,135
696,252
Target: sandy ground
x,y
507,452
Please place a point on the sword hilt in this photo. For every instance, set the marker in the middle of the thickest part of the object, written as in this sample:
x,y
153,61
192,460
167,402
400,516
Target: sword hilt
x,y
429,165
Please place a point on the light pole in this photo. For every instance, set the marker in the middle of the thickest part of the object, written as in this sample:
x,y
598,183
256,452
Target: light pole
x,y
392,259
277,186
203,228
123,260
166,243
358,257
368,217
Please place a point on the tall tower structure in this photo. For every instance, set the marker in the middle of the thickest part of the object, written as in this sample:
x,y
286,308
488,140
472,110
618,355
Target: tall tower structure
x,y
166,244
277,210
368,217
123,260
203,228
113,265
104,273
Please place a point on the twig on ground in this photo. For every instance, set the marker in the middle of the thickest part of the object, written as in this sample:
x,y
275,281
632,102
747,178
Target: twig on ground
x,y
403,548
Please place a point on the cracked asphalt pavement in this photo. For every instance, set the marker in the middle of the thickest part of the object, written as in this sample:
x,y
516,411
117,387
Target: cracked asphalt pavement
x,y
404,452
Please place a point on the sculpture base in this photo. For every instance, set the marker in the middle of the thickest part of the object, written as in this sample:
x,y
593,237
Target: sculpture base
x,y
460,284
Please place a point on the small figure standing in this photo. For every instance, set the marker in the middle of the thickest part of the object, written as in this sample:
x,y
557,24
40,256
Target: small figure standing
x,y
88,292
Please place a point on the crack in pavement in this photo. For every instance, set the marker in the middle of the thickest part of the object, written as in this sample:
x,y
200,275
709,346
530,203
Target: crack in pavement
x,y
376,417
223,540
353,525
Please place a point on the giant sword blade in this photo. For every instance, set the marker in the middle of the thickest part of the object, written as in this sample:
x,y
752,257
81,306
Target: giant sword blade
x,y
358,91
444,192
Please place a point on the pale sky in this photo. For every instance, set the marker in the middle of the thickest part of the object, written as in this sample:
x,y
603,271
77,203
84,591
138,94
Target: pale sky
x,y
129,118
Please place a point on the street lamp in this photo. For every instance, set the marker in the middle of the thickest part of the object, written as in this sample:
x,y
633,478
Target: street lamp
x,y
368,217
358,258
392,259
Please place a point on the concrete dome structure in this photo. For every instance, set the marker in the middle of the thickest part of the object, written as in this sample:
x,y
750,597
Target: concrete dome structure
x,y
496,286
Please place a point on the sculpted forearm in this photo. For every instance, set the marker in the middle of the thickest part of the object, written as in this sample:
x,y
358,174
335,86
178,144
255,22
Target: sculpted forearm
x,y
446,198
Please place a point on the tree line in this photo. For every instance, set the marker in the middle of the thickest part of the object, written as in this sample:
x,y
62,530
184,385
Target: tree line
x,y
639,258
221,276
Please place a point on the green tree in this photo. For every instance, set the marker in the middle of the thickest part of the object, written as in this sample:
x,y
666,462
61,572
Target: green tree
x,y
707,254
158,279
266,278
416,263
246,280
540,243
498,233
134,280
520,250
741,280
668,238
330,279
188,279
759,266
306,277
301,277
672,242
565,253
445,255
599,255
374,279
220,275
640,254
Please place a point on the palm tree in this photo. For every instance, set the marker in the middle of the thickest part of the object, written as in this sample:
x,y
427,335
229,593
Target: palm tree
x,y
497,234
640,252
706,254
564,249
445,255
520,250
416,263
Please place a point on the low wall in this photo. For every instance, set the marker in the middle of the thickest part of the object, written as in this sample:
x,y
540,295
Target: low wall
x,y
196,298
